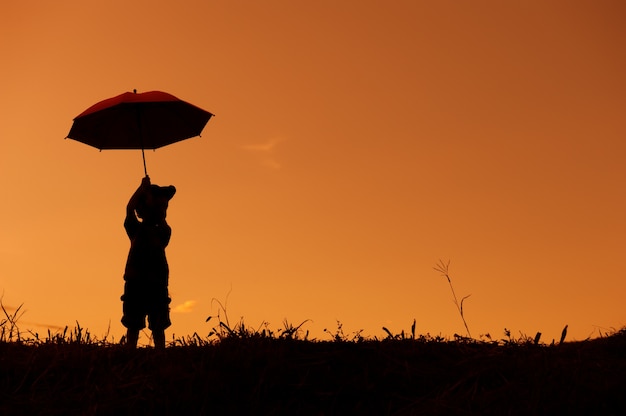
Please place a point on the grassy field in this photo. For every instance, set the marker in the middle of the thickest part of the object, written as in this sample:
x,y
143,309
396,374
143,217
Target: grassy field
x,y
260,372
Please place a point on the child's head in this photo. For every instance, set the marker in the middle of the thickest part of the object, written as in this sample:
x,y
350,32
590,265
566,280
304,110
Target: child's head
x,y
153,207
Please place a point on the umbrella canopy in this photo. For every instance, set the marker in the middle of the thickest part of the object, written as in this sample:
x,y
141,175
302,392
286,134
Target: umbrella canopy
x,y
146,120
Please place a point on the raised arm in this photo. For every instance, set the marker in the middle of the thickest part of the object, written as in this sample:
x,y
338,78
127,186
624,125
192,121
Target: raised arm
x,y
142,191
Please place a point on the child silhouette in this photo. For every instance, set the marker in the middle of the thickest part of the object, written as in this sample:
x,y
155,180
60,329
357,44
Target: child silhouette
x,y
147,273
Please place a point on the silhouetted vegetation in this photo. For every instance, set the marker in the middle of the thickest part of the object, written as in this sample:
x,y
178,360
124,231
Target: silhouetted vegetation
x,y
240,370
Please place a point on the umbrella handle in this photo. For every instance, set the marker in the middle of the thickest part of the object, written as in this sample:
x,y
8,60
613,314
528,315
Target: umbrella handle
x,y
144,162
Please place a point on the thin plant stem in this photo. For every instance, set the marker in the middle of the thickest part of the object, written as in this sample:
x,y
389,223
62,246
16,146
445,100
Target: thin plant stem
x,y
444,268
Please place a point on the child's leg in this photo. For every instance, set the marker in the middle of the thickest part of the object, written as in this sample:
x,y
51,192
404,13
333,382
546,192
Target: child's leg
x,y
158,336
132,336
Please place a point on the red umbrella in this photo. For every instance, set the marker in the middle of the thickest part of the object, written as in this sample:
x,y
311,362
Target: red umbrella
x,y
146,120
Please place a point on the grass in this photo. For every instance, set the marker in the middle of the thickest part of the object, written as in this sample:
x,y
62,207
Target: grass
x,y
238,369
243,370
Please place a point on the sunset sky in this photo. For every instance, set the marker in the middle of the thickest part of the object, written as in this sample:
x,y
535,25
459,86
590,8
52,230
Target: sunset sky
x,y
354,145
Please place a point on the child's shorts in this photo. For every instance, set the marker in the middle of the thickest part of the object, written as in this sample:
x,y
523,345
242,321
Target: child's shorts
x,y
141,300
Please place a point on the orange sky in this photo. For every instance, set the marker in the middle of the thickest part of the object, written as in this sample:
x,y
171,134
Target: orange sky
x,y
354,145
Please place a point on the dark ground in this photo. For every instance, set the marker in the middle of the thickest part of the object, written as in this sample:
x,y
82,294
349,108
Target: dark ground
x,y
269,376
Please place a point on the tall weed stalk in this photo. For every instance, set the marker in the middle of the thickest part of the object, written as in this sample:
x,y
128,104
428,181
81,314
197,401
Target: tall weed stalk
x,y
444,268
